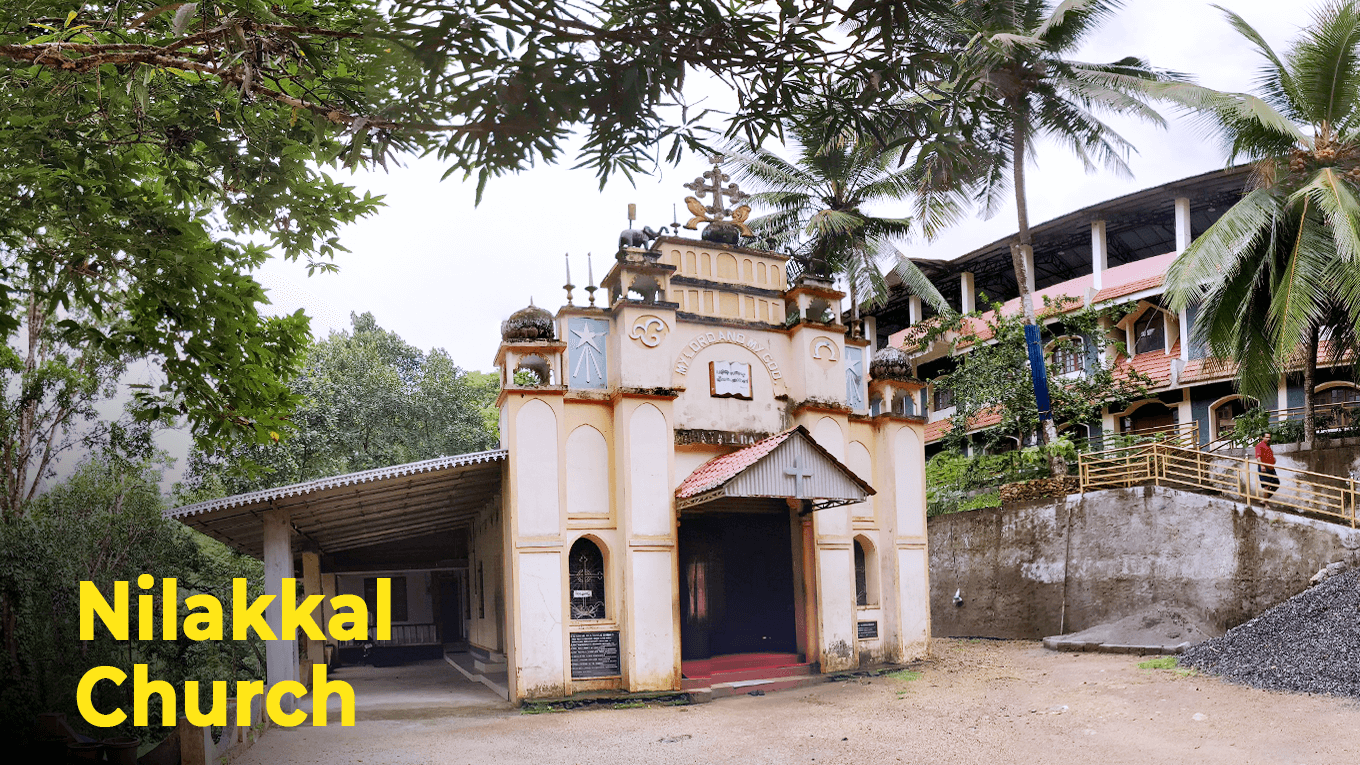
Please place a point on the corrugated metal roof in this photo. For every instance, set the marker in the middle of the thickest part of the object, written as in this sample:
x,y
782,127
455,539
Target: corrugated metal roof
x,y
348,479
758,470
358,510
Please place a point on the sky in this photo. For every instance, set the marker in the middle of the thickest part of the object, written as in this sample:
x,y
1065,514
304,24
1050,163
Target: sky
x,y
443,272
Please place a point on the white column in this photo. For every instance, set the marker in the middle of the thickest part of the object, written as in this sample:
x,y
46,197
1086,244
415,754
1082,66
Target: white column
x,y
1282,397
914,309
1184,322
280,655
1183,233
967,293
871,332
1100,254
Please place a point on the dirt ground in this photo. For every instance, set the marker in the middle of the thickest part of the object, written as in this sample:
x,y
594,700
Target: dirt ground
x,y
1008,703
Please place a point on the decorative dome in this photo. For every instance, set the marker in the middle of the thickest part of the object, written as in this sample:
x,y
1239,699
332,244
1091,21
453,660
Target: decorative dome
x,y
891,364
531,323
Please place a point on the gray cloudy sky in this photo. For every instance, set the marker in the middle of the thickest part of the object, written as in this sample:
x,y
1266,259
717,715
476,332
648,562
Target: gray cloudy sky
x,y
443,273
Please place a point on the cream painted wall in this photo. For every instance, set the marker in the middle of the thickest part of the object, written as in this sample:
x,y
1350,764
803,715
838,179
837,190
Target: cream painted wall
x,y
652,640
535,467
540,593
649,446
697,409
836,607
587,472
857,459
915,603
909,483
832,521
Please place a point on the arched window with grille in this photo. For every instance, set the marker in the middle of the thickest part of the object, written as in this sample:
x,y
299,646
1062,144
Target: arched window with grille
x,y
585,574
866,581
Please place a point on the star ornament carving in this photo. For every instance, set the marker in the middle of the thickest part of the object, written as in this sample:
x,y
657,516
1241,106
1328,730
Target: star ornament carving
x,y
587,336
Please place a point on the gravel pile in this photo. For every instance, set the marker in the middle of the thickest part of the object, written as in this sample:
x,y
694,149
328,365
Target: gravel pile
x,y
1308,644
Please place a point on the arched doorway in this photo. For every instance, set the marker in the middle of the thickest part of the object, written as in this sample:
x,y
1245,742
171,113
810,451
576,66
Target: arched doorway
x,y
1337,405
1224,414
1153,415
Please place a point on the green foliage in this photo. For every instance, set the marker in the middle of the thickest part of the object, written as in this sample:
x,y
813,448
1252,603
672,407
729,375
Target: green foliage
x,y
141,194
104,524
817,212
992,376
368,399
1164,662
957,483
1018,61
1277,272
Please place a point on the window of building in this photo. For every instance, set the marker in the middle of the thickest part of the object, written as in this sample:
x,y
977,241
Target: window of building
x,y
399,604
585,574
1149,333
1069,356
861,575
1341,394
942,398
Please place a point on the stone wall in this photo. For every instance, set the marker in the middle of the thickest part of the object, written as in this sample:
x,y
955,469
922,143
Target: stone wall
x,y
1128,549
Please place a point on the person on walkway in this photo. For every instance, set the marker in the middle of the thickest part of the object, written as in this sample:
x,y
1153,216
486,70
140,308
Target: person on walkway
x,y
1270,482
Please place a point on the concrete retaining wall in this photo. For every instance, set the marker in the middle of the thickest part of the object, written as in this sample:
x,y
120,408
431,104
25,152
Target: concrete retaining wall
x,y
1127,549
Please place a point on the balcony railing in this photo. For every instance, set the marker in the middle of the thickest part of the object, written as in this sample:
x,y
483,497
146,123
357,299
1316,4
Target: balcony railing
x,y
1163,463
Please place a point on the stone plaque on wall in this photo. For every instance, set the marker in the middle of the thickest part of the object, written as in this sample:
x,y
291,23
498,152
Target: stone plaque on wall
x,y
868,630
594,654
730,379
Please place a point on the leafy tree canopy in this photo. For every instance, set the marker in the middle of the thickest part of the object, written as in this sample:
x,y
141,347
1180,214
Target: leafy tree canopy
x,y
991,378
155,154
1276,275
368,399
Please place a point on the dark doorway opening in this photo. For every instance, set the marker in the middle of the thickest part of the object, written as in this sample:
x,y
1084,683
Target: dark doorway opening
x,y
736,584
449,606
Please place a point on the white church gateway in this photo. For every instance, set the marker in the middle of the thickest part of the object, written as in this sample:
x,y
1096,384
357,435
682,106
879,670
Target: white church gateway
x,y
707,471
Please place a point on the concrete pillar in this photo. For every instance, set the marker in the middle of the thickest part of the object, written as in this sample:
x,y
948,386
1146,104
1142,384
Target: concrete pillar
x,y
281,654
871,332
1282,397
1183,319
1100,254
914,309
311,585
1183,233
967,293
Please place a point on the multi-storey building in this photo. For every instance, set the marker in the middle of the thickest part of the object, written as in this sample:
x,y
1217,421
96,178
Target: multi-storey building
x,y
1108,253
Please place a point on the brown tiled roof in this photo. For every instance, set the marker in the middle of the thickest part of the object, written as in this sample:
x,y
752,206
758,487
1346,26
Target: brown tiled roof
x,y
1135,277
936,430
1156,364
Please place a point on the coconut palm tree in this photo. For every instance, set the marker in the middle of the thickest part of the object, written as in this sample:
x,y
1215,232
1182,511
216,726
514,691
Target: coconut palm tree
x,y
818,202
1017,62
1280,271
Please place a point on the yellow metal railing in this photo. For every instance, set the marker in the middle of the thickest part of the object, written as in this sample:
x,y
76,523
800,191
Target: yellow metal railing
x,y
1164,463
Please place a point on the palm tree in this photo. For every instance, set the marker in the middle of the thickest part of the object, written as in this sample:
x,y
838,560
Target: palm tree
x,y
818,200
1280,271
1017,63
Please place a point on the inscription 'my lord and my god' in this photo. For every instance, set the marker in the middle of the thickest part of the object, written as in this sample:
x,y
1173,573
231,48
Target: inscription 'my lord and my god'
x,y
702,341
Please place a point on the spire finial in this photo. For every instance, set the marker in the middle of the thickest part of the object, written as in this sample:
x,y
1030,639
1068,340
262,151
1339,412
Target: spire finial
x,y
590,276
568,286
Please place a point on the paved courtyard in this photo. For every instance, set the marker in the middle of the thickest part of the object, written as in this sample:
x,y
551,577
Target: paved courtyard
x,y
976,702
